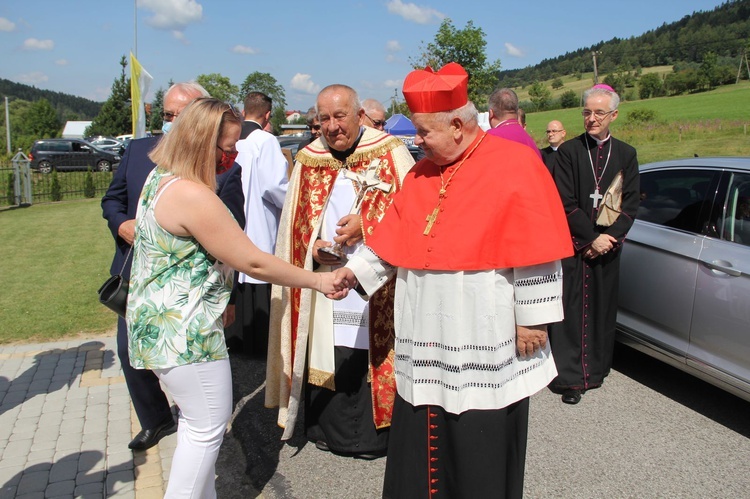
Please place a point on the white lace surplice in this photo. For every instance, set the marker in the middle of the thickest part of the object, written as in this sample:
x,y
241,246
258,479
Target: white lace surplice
x,y
455,332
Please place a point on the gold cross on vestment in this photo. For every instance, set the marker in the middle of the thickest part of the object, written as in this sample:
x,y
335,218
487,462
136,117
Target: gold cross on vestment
x,y
431,220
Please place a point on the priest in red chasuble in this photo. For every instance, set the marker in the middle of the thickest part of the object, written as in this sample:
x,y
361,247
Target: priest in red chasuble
x,y
597,176
475,238
339,352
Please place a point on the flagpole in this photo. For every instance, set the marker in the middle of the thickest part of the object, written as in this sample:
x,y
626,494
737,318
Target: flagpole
x,y
135,28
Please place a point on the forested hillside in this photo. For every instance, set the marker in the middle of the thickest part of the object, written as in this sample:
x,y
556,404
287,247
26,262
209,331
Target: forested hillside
x,y
724,32
66,106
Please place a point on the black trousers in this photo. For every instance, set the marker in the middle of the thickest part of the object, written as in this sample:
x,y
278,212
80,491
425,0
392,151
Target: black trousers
x,y
149,401
252,310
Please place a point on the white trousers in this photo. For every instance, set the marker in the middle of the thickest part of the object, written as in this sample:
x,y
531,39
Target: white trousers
x,y
203,392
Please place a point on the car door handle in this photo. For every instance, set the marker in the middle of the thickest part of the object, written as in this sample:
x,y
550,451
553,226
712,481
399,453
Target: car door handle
x,y
723,266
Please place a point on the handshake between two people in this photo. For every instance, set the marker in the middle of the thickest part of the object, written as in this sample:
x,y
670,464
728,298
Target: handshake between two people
x,y
336,285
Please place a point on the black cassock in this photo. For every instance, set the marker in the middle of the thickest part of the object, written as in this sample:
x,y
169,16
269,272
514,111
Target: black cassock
x,y
583,343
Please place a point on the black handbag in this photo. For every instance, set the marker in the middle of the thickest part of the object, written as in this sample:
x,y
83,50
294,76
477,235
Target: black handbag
x,y
113,294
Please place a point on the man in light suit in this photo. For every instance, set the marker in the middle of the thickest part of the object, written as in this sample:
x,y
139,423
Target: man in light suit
x,y
119,206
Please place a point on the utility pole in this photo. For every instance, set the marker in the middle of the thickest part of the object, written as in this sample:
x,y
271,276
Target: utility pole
x,y
739,69
596,72
393,101
7,124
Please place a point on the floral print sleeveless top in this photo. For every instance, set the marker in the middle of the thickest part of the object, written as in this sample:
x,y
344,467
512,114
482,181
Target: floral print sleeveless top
x,y
177,294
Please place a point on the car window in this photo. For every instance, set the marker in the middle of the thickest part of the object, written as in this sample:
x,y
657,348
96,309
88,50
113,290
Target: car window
x,y
736,217
682,199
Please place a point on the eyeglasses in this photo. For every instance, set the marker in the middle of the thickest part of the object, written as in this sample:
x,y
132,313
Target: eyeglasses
x,y
314,127
167,116
233,110
599,115
376,123
555,131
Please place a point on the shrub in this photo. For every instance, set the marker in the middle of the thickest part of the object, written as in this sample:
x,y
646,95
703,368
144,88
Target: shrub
x,y
639,115
557,83
10,191
55,193
568,99
89,189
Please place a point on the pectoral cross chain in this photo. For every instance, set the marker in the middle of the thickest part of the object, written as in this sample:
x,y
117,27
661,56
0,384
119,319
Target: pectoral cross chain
x,y
431,220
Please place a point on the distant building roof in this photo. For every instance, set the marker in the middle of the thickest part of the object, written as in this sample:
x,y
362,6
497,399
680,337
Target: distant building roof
x,y
75,129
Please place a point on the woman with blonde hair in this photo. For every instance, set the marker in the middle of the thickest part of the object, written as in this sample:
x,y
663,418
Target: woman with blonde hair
x,y
186,247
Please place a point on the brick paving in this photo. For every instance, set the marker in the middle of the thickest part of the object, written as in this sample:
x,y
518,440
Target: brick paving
x,y
65,423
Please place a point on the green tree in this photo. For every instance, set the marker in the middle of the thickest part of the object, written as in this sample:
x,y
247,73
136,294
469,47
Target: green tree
x,y
40,120
157,108
278,118
540,95
650,85
115,117
708,74
557,83
568,99
89,190
219,87
467,47
55,191
265,83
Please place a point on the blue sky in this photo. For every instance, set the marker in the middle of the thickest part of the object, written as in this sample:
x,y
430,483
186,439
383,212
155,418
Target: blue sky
x,y
75,46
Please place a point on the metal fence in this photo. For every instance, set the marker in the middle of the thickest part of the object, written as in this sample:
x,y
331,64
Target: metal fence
x,y
23,186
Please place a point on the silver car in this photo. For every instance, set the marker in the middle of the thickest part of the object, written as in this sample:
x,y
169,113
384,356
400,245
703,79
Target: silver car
x,y
685,270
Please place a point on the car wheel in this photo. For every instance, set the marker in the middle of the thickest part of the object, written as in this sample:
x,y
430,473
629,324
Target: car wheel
x,y
45,167
104,166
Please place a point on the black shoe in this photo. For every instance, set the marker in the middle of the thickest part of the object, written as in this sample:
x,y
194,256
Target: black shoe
x,y
149,437
571,396
369,456
322,446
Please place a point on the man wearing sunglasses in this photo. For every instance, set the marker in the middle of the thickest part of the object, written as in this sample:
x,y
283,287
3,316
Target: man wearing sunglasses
x,y
374,116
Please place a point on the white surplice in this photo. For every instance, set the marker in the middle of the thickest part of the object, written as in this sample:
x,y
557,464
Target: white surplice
x,y
456,331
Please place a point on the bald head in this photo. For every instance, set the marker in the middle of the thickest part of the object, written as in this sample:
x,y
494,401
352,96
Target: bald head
x,y
555,133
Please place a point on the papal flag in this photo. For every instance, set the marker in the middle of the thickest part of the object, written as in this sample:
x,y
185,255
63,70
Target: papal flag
x,y
140,80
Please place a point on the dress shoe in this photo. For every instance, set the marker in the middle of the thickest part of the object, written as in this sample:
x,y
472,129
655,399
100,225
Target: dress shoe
x,y
149,437
321,445
571,396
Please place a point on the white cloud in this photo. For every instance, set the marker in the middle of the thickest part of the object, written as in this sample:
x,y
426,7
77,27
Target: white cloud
x,y
392,83
513,50
35,44
415,13
6,25
242,49
173,15
303,83
61,62
33,78
393,46
180,36
391,58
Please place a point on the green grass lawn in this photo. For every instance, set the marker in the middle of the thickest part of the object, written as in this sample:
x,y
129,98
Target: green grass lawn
x,y
713,123
55,257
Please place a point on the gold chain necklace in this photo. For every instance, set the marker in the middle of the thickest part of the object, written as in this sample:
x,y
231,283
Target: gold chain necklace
x,y
444,187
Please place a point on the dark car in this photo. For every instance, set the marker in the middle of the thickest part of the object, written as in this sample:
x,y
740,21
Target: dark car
x,y
70,154
685,270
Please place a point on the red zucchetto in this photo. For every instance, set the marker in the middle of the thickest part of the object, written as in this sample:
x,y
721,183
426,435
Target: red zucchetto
x,y
427,91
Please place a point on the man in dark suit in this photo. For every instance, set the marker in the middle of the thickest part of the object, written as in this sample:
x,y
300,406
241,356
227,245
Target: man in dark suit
x,y
119,206
555,137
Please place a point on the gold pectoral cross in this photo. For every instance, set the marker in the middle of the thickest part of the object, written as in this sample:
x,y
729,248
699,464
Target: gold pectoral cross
x,y
431,220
